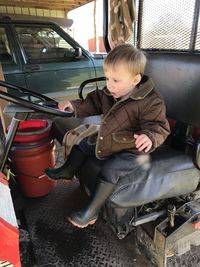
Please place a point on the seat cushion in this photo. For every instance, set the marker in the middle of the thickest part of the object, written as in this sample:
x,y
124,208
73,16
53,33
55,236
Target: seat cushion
x,y
171,173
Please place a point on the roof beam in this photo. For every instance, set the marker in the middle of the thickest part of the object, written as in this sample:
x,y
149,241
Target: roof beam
x,y
45,4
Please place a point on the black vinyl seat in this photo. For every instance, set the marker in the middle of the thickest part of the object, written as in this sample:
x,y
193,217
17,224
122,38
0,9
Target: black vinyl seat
x,y
171,173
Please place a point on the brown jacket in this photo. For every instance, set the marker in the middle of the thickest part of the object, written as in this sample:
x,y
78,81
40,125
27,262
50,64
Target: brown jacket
x,y
141,112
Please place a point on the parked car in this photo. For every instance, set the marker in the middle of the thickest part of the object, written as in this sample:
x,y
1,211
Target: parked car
x,y
42,56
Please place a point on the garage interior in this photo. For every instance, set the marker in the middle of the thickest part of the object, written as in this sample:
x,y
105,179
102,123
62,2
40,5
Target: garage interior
x,y
56,242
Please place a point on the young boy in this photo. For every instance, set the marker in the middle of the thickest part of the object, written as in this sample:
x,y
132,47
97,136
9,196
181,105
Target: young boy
x,y
134,123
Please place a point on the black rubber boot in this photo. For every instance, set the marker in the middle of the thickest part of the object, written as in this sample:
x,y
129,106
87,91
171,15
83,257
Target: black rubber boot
x,y
70,167
89,215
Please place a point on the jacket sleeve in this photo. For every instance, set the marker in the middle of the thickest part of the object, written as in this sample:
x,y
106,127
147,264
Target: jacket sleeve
x,y
91,105
153,121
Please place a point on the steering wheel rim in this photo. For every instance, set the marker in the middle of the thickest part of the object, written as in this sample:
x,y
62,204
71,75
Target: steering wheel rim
x,y
30,104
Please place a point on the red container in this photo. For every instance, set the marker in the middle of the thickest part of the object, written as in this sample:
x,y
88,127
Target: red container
x,y
31,154
32,131
30,163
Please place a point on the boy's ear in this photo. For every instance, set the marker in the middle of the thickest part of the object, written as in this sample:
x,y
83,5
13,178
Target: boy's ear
x,y
137,79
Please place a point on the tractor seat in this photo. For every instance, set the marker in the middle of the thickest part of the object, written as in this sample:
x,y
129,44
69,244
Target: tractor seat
x,y
171,173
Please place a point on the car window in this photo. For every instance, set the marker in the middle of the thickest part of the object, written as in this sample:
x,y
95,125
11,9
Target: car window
x,y
44,44
5,53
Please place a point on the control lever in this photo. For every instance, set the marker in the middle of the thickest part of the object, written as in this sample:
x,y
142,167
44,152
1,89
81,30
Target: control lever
x,y
171,214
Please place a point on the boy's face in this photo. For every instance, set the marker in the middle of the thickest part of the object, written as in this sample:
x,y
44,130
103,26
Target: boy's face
x,y
119,80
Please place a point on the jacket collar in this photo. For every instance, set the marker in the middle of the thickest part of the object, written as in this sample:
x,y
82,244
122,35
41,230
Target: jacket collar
x,y
141,91
143,88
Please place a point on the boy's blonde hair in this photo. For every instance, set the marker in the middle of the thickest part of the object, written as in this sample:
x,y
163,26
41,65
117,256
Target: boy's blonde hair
x,y
128,55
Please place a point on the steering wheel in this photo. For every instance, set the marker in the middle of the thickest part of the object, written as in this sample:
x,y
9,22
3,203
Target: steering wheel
x,y
41,103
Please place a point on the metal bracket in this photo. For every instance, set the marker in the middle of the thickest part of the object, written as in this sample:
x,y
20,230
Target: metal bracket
x,y
176,240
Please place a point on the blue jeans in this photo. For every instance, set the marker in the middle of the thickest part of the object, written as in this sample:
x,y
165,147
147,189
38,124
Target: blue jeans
x,y
117,165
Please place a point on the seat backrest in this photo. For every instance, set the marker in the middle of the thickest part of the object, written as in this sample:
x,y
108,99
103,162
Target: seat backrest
x,y
177,77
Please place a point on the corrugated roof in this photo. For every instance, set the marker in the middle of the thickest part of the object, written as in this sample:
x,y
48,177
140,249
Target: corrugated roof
x,y
64,5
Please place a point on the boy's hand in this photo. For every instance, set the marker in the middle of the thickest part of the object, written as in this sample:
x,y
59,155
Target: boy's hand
x,y
142,142
65,106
